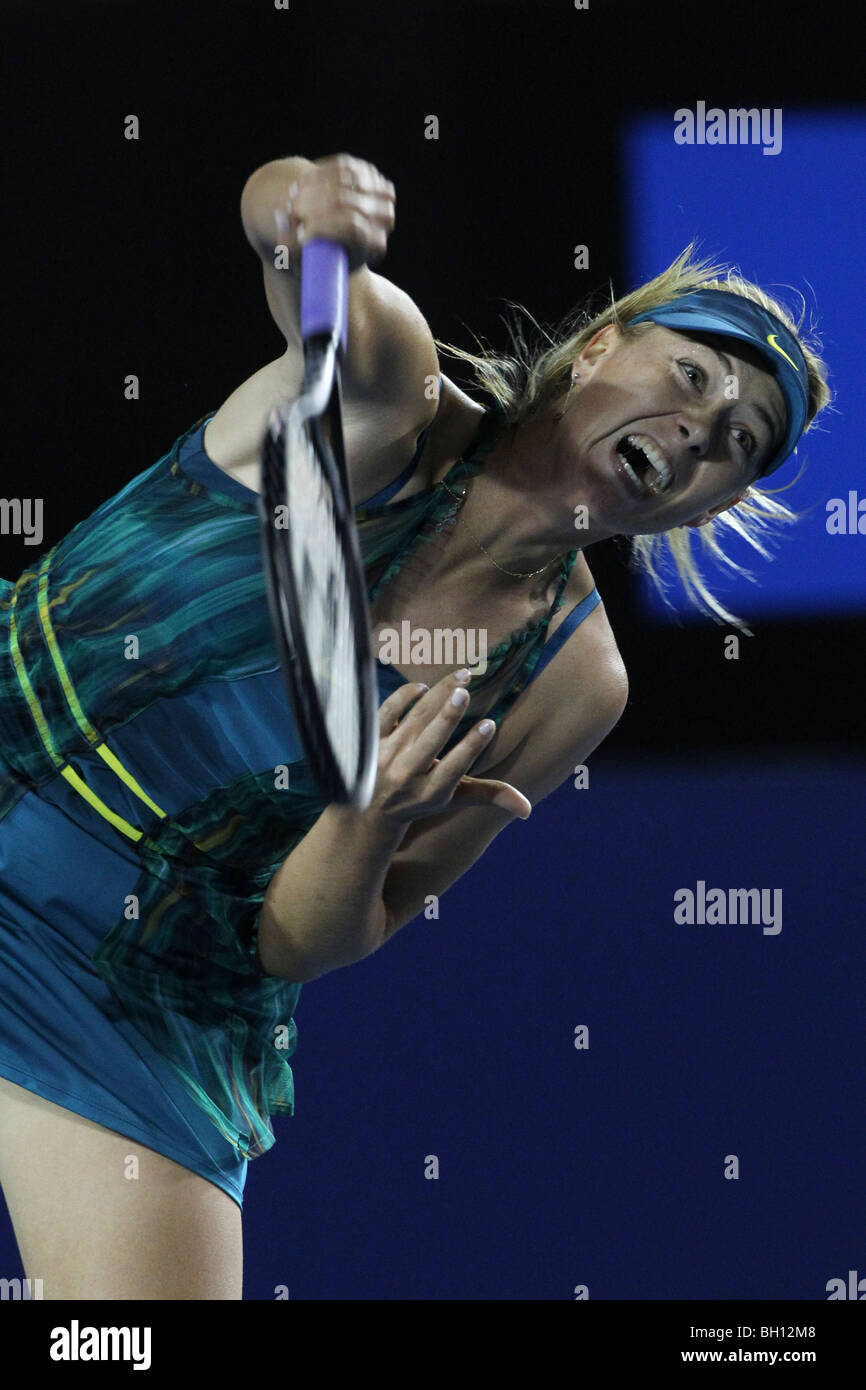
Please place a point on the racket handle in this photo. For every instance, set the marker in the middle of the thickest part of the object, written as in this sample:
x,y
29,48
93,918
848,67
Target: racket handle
x,y
324,289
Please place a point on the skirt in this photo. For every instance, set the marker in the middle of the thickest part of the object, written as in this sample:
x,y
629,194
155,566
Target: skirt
x,y
62,1035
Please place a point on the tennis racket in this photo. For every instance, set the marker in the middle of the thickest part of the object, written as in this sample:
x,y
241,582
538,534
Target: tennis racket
x,y
312,559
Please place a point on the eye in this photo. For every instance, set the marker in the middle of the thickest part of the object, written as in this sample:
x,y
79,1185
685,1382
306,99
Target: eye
x,y
751,438
693,366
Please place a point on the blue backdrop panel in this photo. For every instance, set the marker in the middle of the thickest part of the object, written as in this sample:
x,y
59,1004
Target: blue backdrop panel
x,y
603,1166
797,218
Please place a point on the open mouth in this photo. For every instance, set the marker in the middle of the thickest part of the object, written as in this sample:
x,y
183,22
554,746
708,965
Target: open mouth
x,y
644,465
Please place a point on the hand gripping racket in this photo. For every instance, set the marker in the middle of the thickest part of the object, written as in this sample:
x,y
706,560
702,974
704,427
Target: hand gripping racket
x,y
312,558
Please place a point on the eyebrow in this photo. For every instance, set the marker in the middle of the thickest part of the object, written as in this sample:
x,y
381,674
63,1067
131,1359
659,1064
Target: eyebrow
x,y
759,409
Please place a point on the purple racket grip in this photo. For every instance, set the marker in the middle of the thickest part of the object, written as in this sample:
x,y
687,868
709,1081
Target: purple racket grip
x,y
324,289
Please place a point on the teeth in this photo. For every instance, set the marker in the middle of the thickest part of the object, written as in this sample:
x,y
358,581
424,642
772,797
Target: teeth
x,y
630,471
652,454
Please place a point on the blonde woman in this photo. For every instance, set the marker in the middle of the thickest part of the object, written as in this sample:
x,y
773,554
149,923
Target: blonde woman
x,y
169,876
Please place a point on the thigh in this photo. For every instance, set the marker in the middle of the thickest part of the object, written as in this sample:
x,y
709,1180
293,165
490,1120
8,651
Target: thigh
x,y
98,1215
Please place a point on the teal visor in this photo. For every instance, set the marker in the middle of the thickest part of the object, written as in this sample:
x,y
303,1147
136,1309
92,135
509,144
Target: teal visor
x,y
734,316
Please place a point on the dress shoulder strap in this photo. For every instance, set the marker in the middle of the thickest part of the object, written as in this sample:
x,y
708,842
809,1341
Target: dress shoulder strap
x,y
563,632
391,489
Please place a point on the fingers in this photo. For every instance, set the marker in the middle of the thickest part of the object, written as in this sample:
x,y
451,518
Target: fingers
x,y
429,702
446,777
450,769
362,187
427,699
357,173
392,709
413,782
346,199
431,722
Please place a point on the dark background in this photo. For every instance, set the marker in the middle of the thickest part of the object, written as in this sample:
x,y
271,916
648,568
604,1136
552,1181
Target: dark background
x,y
130,257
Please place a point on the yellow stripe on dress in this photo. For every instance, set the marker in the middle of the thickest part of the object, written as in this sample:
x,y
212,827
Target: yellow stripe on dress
x,y
117,821
38,714
75,704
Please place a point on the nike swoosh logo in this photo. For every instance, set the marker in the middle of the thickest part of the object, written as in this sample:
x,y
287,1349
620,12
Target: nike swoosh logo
x,y
770,337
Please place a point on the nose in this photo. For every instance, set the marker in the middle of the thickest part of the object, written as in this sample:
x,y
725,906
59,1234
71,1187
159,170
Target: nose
x,y
695,431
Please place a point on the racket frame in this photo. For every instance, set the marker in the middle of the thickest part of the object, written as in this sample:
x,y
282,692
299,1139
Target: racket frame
x,y
320,401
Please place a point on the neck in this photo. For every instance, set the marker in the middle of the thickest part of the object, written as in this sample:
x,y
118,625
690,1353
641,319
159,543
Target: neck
x,y
520,507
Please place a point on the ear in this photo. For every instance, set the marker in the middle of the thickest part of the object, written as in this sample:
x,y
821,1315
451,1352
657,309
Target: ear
x,y
724,507
600,343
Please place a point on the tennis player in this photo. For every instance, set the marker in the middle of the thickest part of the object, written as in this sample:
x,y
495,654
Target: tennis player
x,y
169,875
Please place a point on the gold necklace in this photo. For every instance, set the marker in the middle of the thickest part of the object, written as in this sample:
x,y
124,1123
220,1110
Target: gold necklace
x,y
515,574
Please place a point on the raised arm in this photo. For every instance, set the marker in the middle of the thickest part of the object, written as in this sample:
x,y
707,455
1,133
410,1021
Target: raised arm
x,y
391,357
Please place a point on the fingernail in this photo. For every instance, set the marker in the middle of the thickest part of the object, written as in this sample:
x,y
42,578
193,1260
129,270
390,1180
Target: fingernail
x,y
462,675
486,726
459,698
421,685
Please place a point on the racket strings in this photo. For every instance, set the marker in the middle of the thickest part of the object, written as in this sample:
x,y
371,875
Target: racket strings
x,y
318,563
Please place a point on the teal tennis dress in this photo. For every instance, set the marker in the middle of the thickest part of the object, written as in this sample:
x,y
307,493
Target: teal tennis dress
x,y
151,783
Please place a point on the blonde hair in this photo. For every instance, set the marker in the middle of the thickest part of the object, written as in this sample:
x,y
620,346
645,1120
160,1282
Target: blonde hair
x,y
534,376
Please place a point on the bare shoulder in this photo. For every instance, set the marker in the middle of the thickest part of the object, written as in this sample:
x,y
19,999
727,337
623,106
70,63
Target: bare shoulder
x,y
380,433
382,437
572,706
586,683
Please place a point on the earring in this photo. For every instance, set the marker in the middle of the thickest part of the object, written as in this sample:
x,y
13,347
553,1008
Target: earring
x,y
574,378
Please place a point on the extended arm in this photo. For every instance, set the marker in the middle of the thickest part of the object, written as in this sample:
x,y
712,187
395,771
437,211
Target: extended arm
x,y
353,882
